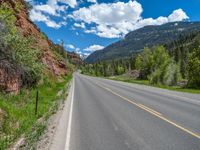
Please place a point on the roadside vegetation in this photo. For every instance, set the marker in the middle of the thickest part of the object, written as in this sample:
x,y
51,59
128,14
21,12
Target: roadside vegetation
x,y
173,66
18,119
128,79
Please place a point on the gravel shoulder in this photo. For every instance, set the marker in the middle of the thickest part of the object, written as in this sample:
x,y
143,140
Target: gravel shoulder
x,y
56,127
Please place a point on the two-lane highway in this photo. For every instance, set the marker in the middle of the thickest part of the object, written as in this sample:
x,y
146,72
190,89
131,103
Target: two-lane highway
x,y
111,115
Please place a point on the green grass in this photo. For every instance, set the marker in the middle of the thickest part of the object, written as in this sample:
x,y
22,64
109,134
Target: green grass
x,y
20,116
146,82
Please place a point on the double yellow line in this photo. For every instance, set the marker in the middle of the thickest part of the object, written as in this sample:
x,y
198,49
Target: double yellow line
x,y
151,111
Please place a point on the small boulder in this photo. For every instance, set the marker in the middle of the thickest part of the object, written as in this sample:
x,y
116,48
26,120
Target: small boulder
x,y
133,74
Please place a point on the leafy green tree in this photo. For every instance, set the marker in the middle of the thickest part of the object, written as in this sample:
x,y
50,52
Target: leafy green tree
x,y
194,68
143,62
160,61
172,74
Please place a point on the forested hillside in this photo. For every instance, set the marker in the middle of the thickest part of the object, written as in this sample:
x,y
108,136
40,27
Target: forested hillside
x,y
135,41
174,63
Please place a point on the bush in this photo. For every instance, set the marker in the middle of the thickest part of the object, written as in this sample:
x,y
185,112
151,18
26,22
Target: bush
x,y
172,75
26,56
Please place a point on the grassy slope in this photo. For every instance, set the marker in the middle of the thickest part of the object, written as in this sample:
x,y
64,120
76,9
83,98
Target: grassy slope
x,y
146,82
20,111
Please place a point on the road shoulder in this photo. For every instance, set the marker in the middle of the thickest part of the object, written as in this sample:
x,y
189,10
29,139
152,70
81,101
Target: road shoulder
x,y
55,134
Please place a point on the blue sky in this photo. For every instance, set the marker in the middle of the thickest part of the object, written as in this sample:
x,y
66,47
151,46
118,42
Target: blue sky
x,y
89,25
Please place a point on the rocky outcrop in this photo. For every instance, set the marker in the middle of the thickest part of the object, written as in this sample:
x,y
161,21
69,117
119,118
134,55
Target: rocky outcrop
x,y
135,74
58,67
75,58
10,77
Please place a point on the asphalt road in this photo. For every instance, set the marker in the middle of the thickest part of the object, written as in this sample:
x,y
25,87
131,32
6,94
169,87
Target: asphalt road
x,y
112,115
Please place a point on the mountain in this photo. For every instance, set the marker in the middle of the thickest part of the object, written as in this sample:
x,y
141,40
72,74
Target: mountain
x,y
148,36
26,54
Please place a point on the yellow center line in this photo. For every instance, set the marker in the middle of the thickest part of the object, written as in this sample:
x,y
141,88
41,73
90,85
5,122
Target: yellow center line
x,y
151,111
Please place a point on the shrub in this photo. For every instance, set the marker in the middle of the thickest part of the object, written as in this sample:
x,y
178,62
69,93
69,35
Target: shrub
x,y
172,75
27,57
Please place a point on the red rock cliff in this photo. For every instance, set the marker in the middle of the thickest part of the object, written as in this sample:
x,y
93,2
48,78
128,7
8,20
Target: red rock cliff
x,y
10,78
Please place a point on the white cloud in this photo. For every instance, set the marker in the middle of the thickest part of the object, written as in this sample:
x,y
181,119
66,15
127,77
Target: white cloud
x,y
83,55
177,15
71,3
47,9
114,20
42,12
109,14
39,17
93,48
109,20
70,46
77,49
92,1
80,25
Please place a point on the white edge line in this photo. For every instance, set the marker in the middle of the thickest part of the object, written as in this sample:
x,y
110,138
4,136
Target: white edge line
x,y
67,144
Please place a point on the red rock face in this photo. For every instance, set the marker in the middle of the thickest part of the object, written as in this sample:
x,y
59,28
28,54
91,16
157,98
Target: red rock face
x,y
75,58
10,78
54,65
27,28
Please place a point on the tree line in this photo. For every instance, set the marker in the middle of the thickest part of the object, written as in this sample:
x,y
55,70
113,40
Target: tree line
x,y
166,65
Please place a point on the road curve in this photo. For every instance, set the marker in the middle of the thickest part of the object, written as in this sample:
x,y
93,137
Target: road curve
x,y
112,115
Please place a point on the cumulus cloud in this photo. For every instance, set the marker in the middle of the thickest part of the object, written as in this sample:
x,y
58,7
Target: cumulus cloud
x,y
70,46
177,15
109,20
71,3
42,12
80,25
114,20
109,13
92,1
93,48
39,17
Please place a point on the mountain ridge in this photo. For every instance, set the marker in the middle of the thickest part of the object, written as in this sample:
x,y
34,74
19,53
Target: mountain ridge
x,y
147,36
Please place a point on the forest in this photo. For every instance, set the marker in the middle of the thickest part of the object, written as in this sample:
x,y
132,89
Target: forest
x,y
175,63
